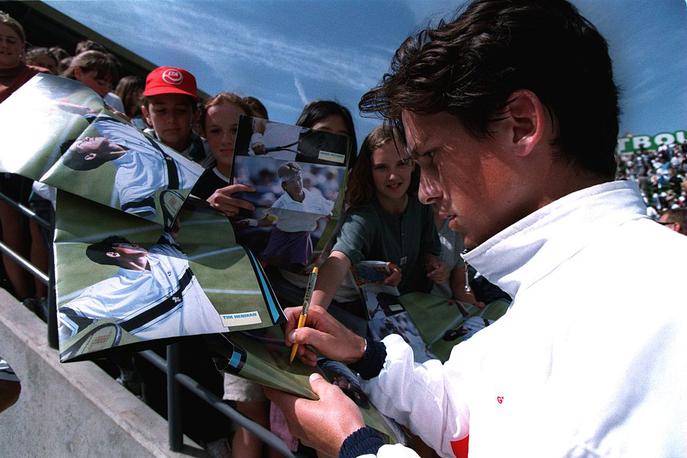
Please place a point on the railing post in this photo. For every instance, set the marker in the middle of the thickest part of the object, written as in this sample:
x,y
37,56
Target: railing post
x,y
52,305
173,400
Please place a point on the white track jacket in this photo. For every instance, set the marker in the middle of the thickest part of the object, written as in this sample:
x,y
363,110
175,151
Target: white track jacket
x,y
591,358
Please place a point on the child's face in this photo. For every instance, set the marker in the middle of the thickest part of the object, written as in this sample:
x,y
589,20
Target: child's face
x,y
99,83
390,172
172,116
221,124
11,47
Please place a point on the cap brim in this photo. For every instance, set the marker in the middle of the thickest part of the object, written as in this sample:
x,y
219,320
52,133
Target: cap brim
x,y
167,90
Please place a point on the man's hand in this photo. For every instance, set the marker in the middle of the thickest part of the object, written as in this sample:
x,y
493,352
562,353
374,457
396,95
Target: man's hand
x,y
323,424
323,332
221,199
395,277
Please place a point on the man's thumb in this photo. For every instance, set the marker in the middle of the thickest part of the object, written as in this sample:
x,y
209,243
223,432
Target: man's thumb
x,y
318,383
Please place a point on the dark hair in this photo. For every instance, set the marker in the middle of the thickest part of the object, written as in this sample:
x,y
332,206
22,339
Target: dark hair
x,y
126,90
256,107
74,158
64,64
34,55
58,53
469,67
97,252
103,64
361,188
675,215
88,45
318,110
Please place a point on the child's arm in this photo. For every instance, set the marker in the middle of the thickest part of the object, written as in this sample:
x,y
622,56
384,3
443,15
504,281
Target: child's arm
x,y
330,277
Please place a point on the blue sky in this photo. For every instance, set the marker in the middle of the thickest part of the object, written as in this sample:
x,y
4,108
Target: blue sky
x,y
287,53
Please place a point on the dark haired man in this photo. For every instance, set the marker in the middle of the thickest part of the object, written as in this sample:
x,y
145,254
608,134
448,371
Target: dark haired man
x,y
153,295
493,105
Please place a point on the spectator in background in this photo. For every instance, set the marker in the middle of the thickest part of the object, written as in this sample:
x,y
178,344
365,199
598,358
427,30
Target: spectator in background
x,y
329,116
332,117
64,64
14,72
219,124
89,45
675,219
385,222
259,110
94,69
41,57
111,98
170,107
130,91
58,53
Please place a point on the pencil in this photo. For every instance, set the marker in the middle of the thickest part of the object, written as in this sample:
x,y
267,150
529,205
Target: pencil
x,y
306,305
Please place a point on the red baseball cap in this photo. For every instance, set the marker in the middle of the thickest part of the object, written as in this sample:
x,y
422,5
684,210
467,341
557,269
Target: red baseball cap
x,y
170,80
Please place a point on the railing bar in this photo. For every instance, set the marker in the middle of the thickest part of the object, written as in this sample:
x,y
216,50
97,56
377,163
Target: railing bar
x,y
174,414
26,211
175,430
208,396
24,263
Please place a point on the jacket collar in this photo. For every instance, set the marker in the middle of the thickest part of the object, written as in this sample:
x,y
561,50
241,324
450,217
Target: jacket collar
x,y
531,248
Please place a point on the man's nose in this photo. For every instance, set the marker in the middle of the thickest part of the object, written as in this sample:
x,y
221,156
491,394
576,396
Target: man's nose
x,y
430,191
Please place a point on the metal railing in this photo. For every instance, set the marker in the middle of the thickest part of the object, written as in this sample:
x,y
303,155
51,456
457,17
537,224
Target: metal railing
x,y
169,366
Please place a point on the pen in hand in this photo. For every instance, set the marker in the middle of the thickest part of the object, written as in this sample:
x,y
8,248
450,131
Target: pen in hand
x,y
306,304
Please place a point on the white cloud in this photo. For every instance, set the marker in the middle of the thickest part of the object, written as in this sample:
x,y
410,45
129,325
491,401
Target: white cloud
x,y
219,39
301,91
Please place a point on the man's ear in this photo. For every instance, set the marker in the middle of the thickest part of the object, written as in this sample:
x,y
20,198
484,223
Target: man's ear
x,y
528,121
77,73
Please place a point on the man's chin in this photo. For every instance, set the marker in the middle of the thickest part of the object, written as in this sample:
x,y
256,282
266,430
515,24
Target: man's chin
x,y
469,239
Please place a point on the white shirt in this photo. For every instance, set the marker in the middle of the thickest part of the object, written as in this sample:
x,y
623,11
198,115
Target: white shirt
x,y
131,292
142,170
589,361
294,216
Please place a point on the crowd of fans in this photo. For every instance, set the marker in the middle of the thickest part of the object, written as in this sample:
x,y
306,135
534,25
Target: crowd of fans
x,y
661,175
382,188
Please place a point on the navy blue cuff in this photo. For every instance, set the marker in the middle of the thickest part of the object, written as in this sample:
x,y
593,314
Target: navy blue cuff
x,y
361,442
370,365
